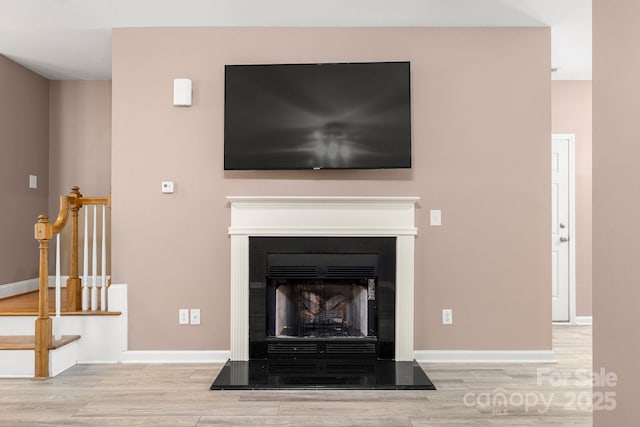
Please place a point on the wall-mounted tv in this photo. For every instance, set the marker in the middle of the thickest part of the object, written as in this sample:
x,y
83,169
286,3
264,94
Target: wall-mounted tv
x,y
317,116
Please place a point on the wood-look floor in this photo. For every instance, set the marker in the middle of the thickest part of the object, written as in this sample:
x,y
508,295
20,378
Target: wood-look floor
x,y
179,395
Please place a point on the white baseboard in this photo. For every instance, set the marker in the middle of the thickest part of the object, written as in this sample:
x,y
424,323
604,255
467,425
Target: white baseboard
x,y
63,281
30,285
176,356
422,356
584,320
485,356
17,288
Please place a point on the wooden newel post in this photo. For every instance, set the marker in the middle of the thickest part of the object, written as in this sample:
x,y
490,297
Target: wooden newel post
x,y
74,284
43,233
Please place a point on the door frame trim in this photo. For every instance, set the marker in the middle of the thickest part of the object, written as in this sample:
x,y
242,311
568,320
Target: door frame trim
x,y
571,138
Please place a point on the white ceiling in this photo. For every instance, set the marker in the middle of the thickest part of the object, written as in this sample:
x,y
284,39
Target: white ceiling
x,y
71,39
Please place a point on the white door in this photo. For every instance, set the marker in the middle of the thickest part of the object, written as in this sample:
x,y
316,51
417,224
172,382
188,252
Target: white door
x,y
560,228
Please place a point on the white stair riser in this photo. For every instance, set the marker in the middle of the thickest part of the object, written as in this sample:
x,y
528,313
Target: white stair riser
x,y
17,363
17,325
21,363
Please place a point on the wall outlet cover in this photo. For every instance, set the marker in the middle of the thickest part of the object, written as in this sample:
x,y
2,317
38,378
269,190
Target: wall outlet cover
x,y
447,316
195,316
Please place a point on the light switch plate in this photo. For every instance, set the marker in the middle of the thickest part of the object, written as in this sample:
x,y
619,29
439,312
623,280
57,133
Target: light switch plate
x,y
33,181
435,217
183,316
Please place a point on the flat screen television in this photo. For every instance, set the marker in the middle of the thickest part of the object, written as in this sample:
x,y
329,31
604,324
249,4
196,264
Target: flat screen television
x,y
317,116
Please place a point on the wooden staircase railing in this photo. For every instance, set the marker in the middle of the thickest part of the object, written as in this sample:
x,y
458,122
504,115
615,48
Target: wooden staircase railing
x,y
70,205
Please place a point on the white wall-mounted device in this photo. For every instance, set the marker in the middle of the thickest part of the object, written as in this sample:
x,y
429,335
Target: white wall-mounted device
x,y
435,217
167,187
182,92
447,316
195,316
183,316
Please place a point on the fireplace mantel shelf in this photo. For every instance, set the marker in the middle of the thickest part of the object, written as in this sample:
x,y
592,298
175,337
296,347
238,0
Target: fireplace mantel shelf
x,y
322,231
322,216
321,199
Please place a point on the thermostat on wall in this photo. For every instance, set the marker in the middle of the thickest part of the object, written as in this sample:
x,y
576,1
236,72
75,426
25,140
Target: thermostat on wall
x,y
167,187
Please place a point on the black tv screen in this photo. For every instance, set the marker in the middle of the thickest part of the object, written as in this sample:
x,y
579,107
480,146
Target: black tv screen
x,y
317,116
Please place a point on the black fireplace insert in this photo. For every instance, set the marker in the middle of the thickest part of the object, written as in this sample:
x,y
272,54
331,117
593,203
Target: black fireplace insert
x,y
322,297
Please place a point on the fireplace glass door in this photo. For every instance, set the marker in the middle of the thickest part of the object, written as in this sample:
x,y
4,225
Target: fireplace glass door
x,y
321,309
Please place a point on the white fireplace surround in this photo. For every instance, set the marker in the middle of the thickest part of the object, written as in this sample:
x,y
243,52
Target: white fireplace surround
x,y
322,216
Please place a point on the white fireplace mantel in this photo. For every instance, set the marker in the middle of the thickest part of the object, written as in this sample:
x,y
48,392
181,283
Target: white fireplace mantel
x,y
321,216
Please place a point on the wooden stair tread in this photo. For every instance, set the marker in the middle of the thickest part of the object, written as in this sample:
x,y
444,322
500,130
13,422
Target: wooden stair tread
x,y
26,304
62,313
28,342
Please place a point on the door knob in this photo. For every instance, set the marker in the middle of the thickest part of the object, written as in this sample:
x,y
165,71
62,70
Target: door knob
x,y
562,225
564,239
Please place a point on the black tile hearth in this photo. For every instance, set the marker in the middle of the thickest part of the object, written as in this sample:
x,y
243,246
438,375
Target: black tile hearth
x,y
322,374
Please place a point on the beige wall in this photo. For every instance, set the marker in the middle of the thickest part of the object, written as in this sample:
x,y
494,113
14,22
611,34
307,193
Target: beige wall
x,y
59,131
80,144
571,113
481,128
24,151
616,195
80,138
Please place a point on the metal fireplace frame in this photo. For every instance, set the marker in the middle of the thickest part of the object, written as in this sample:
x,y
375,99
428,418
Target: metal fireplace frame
x,y
277,259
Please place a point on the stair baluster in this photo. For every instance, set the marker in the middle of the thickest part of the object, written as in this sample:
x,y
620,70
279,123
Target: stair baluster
x,y
94,265
85,263
56,324
103,269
